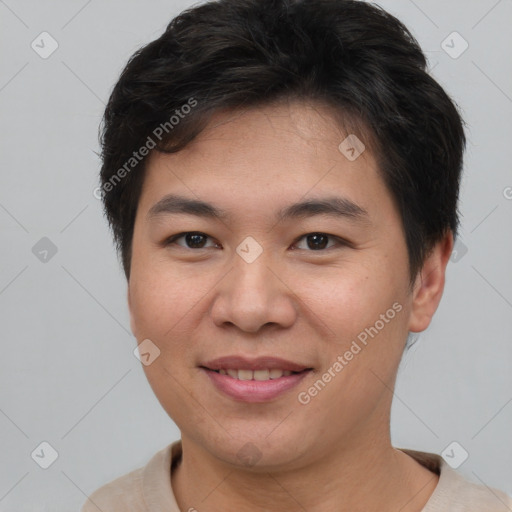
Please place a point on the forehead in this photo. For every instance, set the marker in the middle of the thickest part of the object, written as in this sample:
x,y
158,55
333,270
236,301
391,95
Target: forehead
x,y
290,150
309,124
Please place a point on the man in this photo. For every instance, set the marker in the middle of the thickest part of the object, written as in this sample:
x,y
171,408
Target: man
x,y
281,178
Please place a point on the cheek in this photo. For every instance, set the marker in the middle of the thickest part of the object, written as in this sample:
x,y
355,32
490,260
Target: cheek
x,y
165,299
169,299
367,319
349,300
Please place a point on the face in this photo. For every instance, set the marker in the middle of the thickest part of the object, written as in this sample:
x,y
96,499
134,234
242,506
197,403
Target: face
x,y
295,273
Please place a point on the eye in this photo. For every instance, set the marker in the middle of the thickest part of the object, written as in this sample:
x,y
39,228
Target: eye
x,y
193,240
319,241
198,240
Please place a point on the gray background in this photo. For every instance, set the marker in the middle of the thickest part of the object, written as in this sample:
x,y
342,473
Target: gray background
x,y
68,375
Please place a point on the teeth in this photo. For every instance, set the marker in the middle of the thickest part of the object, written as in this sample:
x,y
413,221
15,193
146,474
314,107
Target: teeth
x,y
275,373
245,374
260,375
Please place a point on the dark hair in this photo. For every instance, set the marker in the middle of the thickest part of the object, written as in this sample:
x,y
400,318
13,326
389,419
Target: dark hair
x,y
347,54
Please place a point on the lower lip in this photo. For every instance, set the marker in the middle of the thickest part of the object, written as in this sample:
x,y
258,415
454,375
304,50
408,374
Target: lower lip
x,y
254,390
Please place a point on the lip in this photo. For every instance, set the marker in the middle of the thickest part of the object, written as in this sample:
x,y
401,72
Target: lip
x,y
254,391
259,363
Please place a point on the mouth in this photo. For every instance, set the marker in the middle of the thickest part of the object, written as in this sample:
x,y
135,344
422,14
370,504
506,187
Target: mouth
x,y
259,375
258,380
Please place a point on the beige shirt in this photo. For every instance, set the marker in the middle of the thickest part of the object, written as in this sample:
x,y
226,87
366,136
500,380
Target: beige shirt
x,y
148,489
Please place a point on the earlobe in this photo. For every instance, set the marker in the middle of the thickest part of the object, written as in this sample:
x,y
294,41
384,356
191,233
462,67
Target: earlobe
x,y
429,285
130,309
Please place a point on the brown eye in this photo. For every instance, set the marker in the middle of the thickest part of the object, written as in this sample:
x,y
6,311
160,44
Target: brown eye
x,y
319,241
193,240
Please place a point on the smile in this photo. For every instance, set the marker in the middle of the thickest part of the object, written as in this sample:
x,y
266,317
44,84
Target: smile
x,y
254,386
260,375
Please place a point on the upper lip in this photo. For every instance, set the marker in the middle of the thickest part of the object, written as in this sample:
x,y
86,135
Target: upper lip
x,y
258,363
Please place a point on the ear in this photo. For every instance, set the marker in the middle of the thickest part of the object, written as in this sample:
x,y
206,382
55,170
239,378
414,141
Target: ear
x,y
429,285
132,323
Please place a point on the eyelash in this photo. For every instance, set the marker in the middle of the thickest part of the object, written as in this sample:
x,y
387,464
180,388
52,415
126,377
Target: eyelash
x,y
341,242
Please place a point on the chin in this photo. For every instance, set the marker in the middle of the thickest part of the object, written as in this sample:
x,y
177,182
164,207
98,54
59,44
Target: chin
x,y
257,453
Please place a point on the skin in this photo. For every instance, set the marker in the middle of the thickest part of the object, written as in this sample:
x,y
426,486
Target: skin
x,y
293,302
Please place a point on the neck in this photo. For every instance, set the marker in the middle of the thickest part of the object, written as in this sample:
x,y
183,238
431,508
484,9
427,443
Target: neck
x,y
359,475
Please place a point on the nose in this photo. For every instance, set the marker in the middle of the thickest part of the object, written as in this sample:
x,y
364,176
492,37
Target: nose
x,y
253,295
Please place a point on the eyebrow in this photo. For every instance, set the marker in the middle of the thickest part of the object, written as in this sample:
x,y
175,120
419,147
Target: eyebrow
x,y
333,206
